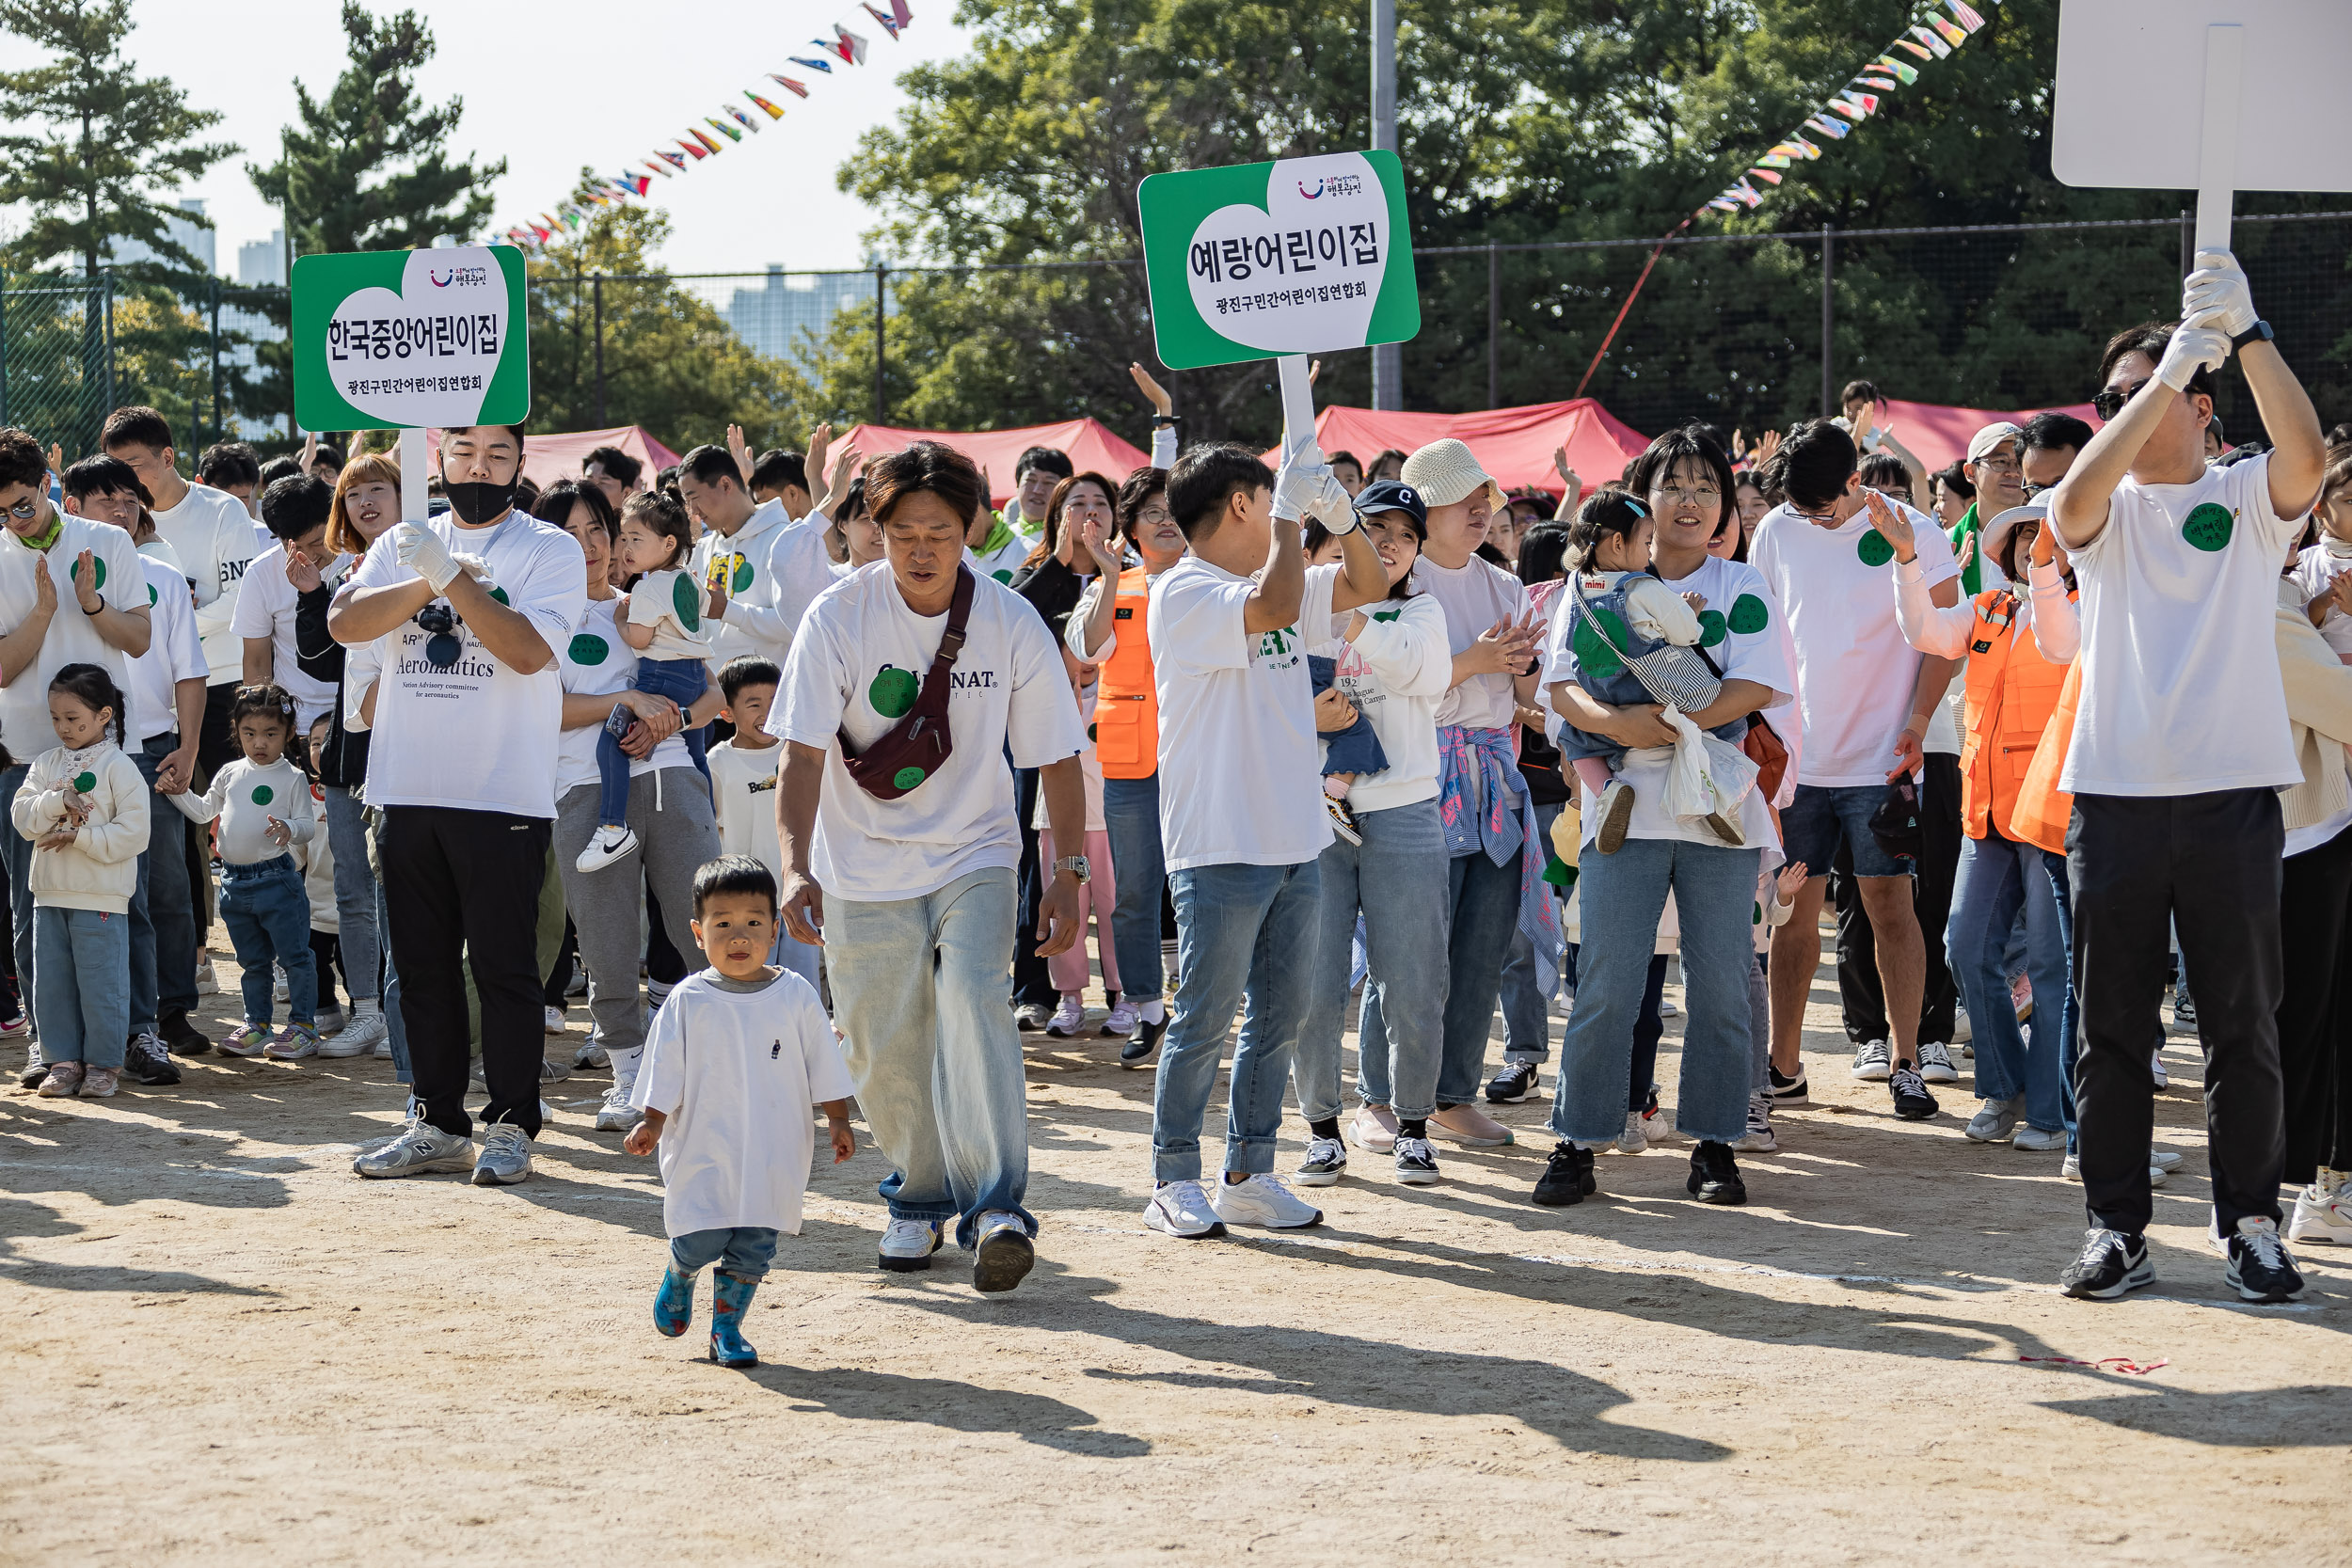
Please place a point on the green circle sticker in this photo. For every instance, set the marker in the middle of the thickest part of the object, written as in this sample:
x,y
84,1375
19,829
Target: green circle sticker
x,y
499,594
688,602
1749,615
907,777
97,574
1874,550
1090,735
1758,918
1711,629
263,795
151,596
86,782
891,692
588,649
1002,576
741,578
2209,525
1594,655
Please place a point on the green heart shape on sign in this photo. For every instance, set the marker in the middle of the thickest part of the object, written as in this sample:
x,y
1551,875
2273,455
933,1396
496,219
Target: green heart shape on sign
x,y
1711,629
907,777
263,795
742,578
687,602
1874,550
86,782
588,649
1749,615
891,692
97,573
2208,527
1594,655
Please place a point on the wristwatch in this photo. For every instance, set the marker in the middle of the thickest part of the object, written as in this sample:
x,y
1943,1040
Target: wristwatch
x,y
1074,863
2258,333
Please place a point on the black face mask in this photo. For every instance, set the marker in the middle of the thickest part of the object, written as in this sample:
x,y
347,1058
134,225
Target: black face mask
x,y
475,504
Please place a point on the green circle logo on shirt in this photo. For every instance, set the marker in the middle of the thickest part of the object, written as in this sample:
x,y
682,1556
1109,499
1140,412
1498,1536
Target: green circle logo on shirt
x,y
1874,550
97,574
741,578
263,795
2208,527
1711,629
587,649
1749,615
1758,918
891,692
907,777
499,594
1002,576
84,782
151,596
687,602
1594,654
1091,736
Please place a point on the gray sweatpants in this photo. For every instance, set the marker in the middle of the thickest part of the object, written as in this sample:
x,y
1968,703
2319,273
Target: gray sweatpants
x,y
676,831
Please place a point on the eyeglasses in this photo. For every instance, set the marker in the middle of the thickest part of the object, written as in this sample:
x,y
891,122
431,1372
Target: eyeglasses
x,y
2110,400
1706,495
2004,465
1155,515
26,509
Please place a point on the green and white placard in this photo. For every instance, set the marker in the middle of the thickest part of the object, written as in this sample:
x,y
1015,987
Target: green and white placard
x,y
1299,255
392,340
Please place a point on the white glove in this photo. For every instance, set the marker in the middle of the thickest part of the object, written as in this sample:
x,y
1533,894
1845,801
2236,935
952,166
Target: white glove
x,y
1299,486
2191,347
1332,508
473,566
2216,295
421,550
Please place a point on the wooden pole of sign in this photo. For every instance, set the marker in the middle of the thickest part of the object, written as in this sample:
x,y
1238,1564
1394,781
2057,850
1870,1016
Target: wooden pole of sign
x,y
1298,402
413,464
2217,160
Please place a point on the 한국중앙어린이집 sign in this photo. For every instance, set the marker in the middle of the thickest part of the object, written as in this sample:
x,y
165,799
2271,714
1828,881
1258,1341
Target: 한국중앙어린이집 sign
x,y
390,340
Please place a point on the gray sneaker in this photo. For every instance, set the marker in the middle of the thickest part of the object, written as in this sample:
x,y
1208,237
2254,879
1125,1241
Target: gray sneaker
x,y
506,1156
553,1069
419,1148
613,1112
1995,1120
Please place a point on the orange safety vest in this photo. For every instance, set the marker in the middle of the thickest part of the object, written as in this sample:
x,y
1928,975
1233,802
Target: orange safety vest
x,y
2011,692
2042,810
1127,705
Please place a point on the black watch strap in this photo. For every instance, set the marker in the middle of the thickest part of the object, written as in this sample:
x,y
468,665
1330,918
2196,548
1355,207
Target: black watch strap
x,y
2258,333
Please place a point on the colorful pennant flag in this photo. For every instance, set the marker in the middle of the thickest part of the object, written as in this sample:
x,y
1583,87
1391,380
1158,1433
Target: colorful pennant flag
x,y
1766,175
1805,147
662,169
788,84
743,119
825,65
1968,18
637,183
853,48
1866,102
1904,73
889,24
1934,41
1884,84
1952,35
1918,48
773,113
708,146
1833,128
900,13
1723,204
723,128
697,149
1774,160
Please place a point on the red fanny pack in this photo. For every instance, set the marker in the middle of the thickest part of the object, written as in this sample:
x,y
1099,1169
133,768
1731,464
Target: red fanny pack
x,y
919,744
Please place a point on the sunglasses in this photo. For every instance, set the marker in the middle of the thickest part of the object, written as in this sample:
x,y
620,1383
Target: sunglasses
x,y
2110,400
26,509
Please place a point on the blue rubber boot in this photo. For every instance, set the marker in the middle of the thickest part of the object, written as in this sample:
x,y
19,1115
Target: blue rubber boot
x,y
730,1298
673,1303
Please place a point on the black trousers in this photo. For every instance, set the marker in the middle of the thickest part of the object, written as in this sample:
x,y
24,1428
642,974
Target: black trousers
x,y
2315,1009
1862,999
2211,864
462,888
1031,980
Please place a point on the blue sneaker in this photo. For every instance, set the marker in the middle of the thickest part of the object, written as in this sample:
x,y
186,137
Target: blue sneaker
x,y
673,1303
730,1298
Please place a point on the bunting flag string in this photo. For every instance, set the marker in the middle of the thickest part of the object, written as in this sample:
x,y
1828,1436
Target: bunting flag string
x,y
732,121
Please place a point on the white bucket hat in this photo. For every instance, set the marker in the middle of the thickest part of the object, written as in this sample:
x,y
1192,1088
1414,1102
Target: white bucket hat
x,y
1445,472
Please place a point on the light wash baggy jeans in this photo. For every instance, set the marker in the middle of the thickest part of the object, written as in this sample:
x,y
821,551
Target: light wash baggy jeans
x,y
1243,933
918,987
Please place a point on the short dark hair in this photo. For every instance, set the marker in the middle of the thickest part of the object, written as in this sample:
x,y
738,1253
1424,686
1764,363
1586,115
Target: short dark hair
x,y
1139,487
276,469
708,464
1687,443
326,452
776,470
1859,391
21,461
665,515
1880,469
926,466
1956,482
1814,460
2151,339
269,698
137,425
1206,476
2054,432
556,501
1604,512
620,465
294,505
97,689
1396,453
513,430
1052,459
747,670
103,476
1343,455
1543,552
733,873
227,463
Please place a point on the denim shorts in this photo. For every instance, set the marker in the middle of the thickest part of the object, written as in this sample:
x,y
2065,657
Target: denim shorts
x,y
1811,825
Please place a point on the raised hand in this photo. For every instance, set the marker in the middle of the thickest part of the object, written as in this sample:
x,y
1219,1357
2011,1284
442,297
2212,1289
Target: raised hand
x,y
44,589
819,443
1892,525
86,584
1094,535
1791,882
1157,394
740,450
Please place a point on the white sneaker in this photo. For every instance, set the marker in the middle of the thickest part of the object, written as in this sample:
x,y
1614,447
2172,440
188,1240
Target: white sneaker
x,y
1632,1140
1963,1031
2071,1168
2323,1210
277,981
590,1055
613,1112
365,1032
1935,1063
2164,1159
1326,1162
1758,1138
1666,1008
1068,1019
505,1157
207,983
1263,1200
327,1019
2034,1140
554,1024
1002,1253
605,847
419,1148
1182,1209
1121,1020
907,1245
1874,1061
1374,1130
2155,1069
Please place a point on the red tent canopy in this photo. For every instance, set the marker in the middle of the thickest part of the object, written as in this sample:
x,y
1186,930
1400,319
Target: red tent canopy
x,y
1091,444
1937,434
1513,444
551,456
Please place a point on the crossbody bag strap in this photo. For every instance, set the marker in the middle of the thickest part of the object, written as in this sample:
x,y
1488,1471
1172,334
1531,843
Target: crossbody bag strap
x,y
933,699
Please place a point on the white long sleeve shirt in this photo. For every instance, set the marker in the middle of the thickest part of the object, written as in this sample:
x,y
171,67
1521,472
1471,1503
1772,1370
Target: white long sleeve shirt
x,y
244,798
212,535
775,569
1945,633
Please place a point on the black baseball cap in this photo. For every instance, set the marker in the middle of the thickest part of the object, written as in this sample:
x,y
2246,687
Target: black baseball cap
x,y
1392,495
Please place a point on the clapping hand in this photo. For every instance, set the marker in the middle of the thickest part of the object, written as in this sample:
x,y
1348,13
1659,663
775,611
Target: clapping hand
x,y
1892,525
86,584
44,589
1505,648
1094,535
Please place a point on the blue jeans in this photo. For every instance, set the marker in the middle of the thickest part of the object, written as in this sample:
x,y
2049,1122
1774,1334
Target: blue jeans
x,y
268,916
162,912
1820,815
354,892
1131,813
2062,897
1244,934
742,1250
1526,1013
394,1025
1396,877
918,987
17,851
1478,917
78,998
1649,1028
681,680
1623,897
1998,878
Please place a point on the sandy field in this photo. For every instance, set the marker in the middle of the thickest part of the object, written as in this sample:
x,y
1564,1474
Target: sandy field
x,y
224,1348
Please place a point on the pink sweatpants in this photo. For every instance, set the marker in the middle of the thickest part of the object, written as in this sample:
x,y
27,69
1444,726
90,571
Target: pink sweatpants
x,y
1069,969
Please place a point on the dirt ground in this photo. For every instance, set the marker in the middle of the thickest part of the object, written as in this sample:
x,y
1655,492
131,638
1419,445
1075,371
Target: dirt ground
x,y
224,1348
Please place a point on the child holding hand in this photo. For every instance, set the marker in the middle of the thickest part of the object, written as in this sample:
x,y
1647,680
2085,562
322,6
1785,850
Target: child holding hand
x,y
735,1057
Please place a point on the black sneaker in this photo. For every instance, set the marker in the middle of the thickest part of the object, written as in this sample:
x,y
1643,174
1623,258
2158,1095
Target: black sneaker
x,y
147,1062
1137,1049
2261,1268
180,1036
1912,1101
1515,1082
1567,1178
1715,1174
1787,1090
1342,820
2110,1264
1416,1162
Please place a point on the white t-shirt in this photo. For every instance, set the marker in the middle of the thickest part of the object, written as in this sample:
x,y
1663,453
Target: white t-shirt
x,y
214,537
480,735
775,569
1240,766
594,662
1855,672
2180,690
1006,559
671,604
174,652
736,1072
243,798
24,727
1475,597
1395,673
858,664
266,603
2315,570
743,784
